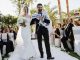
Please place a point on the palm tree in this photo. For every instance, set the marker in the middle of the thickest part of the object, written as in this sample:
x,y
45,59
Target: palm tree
x,y
67,5
59,6
72,13
28,2
64,15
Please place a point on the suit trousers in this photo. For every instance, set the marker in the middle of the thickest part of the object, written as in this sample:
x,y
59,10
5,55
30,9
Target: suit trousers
x,y
42,31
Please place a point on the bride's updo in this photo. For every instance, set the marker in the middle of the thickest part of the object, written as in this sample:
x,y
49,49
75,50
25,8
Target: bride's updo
x,y
24,11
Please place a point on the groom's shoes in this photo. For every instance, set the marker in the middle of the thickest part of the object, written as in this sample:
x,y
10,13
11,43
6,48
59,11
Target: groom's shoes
x,y
50,58
42,57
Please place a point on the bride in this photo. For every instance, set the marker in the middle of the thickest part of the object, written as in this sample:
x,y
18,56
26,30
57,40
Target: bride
x,y
24,49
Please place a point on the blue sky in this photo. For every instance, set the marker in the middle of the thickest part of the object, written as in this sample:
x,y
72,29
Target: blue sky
x,y
6,7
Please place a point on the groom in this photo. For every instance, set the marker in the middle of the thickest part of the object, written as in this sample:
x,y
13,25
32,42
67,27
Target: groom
x,y
42,20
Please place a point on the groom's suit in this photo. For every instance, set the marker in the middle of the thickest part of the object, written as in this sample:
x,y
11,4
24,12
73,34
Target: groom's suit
x,y
41,30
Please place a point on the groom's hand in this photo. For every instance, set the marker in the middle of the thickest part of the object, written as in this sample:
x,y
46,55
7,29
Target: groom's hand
x,y
40,17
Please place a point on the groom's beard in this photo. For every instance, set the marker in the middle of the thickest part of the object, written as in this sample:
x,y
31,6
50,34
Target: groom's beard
x,y
40,10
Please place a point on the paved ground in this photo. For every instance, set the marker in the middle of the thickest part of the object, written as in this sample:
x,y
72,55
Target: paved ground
x,y
56,52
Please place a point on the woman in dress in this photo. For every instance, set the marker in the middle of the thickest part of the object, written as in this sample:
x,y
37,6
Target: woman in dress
x,y
11,36
24,49
4,38
57,36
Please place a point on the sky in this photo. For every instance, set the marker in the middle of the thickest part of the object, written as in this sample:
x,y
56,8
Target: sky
x,y
7,7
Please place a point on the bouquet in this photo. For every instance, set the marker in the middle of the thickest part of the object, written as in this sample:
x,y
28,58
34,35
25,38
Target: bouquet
x,y
22,22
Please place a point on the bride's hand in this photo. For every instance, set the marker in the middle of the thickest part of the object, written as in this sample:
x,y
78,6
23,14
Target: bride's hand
x,y
23,24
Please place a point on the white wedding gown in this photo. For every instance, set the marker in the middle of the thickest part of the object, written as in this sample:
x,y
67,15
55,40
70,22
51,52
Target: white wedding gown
x,y
24,48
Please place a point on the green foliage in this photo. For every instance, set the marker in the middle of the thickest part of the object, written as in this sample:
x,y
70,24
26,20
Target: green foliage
x,y
52,14
79,9
46,7
8,20
32,11
72,13
74,55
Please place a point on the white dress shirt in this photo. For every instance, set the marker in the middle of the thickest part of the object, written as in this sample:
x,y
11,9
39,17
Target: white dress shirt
x,y
4,37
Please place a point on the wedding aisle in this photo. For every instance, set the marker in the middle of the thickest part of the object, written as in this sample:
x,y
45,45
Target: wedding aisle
x,y
56,52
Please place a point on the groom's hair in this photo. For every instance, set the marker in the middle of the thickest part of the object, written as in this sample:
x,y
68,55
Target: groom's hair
x,y
39,4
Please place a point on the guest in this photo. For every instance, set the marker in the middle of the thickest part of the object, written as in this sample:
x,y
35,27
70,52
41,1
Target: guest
x,y
4,40
14,32
64,37
10,46
61,36
11,36
71,35
57,36
77,23
7,43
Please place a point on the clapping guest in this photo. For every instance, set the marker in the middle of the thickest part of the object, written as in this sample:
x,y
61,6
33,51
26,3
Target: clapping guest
x,y
64,37
71,35
14,33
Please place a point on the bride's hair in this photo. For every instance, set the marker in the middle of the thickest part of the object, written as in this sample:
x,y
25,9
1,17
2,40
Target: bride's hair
x,y
24,10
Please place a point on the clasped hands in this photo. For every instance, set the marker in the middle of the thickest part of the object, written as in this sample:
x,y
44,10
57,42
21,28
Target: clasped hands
x,y
40,17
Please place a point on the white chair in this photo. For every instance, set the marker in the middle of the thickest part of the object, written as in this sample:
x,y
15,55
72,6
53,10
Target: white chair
x,y
76,31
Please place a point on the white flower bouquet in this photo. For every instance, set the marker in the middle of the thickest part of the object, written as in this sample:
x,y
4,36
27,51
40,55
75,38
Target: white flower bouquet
x,y
21,22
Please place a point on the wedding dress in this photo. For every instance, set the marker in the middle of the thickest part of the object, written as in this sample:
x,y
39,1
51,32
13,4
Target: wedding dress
x,y
24,48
